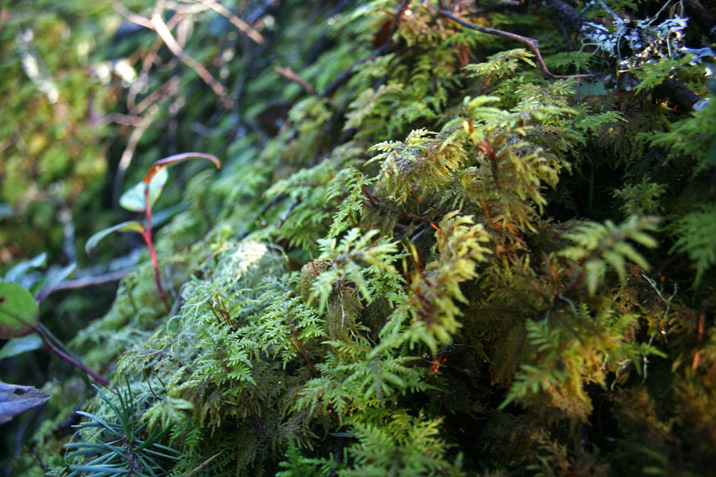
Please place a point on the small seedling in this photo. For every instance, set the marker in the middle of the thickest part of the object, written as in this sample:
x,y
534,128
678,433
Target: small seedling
x,y
120,445
140,198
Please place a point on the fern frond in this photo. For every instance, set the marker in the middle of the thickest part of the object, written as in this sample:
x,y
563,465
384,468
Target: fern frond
x,y
347,263
606,246
640,199
404,446
435,289
501,64
696,236
422,165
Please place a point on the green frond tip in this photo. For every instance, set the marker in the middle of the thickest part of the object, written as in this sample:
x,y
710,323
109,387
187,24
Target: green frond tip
x,y
435,290
641,198
358,257
606,245
696,237
591,123
403,446
423,164
501,64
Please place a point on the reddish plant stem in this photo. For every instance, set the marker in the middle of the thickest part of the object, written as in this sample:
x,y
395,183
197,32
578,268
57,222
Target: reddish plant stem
x,y
147,236
69,359
699,338
149,383
46,339
303,353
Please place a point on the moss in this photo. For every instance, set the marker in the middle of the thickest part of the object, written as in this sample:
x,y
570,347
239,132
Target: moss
x,y
441,263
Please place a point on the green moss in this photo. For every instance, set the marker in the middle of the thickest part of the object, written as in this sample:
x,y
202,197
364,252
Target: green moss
x,y
446,266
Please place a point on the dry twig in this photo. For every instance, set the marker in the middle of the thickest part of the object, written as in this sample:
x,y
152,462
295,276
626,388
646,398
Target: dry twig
x,y
288,73
531,42
156,23
244,27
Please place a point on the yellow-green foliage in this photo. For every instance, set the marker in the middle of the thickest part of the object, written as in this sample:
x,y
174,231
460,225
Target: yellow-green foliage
x,y
435,290
418,167
603,245
51,138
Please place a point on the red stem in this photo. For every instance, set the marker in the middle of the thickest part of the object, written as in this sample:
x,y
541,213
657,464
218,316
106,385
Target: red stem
x,y
147,235
74,362
70,359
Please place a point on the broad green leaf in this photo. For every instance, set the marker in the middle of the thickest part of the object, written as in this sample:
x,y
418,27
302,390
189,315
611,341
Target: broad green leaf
x,y
15,399
17,346
16,273
134,198
54,277
18,311
131,226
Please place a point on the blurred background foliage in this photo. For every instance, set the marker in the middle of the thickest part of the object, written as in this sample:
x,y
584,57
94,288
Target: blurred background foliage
x,y
54,145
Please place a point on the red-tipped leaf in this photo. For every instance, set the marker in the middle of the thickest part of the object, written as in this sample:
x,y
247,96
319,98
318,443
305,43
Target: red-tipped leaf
x,y
134,199
162,164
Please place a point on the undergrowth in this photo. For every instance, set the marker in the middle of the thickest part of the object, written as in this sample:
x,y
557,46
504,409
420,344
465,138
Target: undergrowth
x,y
444,263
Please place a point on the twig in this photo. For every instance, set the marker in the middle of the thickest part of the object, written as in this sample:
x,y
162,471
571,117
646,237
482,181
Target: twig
x,y
273,202
244,27
396,17
701,326
288,211
168,89
317,47
163,31
132,17
346,75
92,281
128,153
531,42
147,63
288,73
75,362
149,383
203,464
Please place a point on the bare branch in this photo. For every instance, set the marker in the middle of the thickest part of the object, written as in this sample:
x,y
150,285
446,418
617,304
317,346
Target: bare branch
x,y
203,464
288,73
92,280
163,31
244,27
131,16
128,153
531,42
